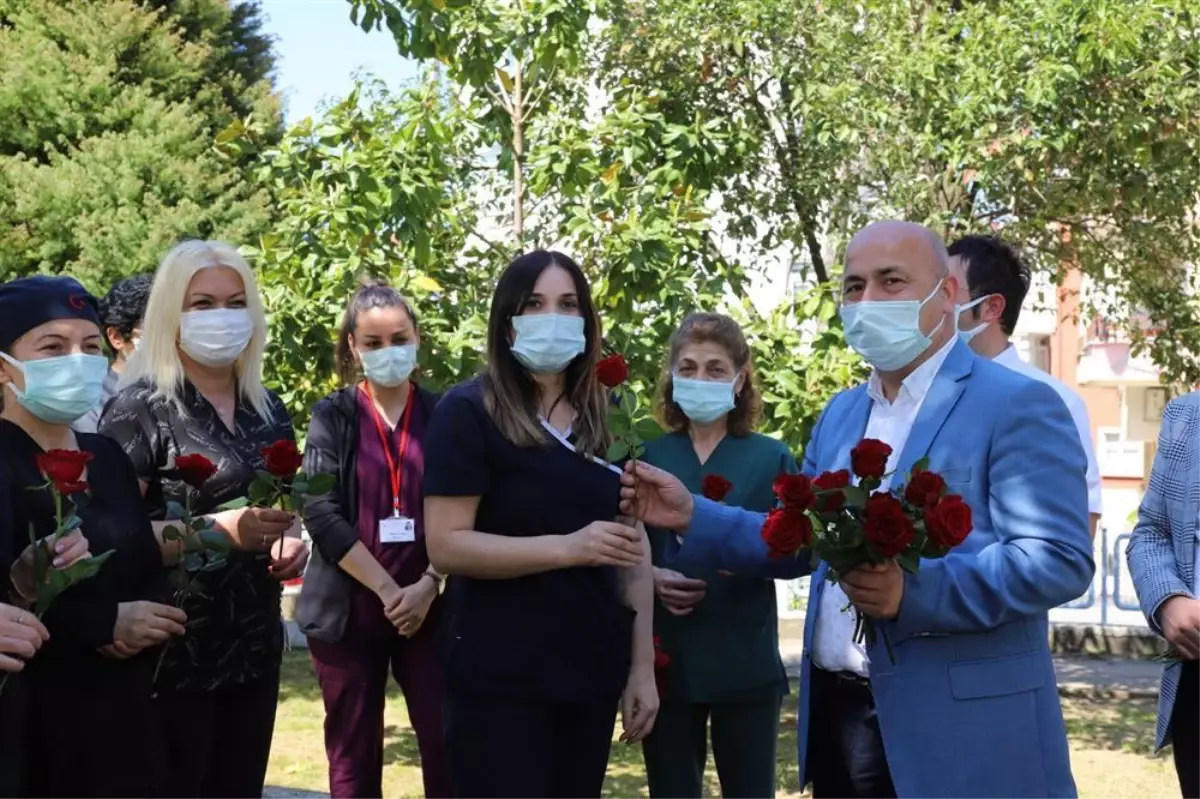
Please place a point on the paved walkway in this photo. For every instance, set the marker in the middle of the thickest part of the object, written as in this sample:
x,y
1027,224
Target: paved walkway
x,y
1077,676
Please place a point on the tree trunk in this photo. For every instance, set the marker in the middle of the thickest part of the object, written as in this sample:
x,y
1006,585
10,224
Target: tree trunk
x,y
518,153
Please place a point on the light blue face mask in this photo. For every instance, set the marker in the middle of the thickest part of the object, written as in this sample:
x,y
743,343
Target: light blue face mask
x,y
703,401
887,333
389,366
547,343
968,335
60,389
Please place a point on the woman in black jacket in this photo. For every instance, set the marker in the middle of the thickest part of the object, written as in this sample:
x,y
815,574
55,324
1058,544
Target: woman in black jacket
x,y
369,596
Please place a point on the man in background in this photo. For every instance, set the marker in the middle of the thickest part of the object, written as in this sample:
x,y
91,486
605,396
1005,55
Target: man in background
x,y
121,312
993,282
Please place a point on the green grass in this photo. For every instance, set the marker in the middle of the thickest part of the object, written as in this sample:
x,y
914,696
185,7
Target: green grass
x,y
1111,747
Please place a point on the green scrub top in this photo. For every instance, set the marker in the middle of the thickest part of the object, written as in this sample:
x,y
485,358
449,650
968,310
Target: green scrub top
x,y
727,648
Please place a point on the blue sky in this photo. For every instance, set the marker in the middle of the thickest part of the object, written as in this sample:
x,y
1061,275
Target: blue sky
x,y
319,50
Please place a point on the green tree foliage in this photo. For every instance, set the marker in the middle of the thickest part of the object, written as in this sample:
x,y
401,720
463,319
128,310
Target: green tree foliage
x,y
109,111
1072,128
672,146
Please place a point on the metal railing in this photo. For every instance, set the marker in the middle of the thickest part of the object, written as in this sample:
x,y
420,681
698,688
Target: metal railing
x,y
1110,602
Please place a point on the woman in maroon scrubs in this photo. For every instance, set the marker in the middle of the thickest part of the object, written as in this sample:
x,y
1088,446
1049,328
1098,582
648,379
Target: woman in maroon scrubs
x,y
370,598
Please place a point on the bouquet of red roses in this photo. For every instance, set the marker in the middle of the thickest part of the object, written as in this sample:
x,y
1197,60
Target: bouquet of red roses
x,y
848,526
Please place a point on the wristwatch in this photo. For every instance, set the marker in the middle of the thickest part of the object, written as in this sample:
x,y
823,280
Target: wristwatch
x,y
438,580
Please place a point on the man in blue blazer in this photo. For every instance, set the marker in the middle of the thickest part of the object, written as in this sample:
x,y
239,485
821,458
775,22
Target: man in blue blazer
x,y
970,707
1164,560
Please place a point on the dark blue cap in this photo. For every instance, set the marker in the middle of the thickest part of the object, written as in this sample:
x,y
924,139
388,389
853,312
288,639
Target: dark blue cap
x,y
32,301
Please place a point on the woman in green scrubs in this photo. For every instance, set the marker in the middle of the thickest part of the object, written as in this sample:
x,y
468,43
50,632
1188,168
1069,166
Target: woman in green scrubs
x,y
718,630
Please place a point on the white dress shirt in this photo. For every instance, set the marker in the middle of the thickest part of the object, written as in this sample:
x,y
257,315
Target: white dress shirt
x,y
834,648
1079,415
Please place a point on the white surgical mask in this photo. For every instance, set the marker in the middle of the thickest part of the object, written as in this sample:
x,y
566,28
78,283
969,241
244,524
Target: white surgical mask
x,y
547,343
703,401
968,335
60,389
887,333
389,366
216,337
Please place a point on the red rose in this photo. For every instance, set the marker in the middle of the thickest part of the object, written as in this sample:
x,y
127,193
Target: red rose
x,y
869,458
194,469
831,482
886,526
786,531
661,658
661,661
63,465
794,491
283,458
948,522
69,488
612,371
715,487
924,488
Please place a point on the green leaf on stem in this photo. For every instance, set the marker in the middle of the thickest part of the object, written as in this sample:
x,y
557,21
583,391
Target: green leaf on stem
x,y
299,487
618,425
922,465
215,563
175,510
214,540
260,492
617,451
909,560
172,533
648,430
179,580
855,497
234,504
320,484
70,525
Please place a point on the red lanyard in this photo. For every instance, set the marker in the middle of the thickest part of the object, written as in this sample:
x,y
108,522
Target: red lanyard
x,y
395,469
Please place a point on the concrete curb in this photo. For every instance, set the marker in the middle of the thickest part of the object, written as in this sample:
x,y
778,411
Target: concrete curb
x,y
1119,687
1082,690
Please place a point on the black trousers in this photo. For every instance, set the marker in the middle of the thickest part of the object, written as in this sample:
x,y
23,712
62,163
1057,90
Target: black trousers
x,y
502,747
744,738
218,742
1185,730
92,729
845,757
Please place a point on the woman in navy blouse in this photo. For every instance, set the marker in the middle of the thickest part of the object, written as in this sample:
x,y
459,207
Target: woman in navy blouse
x,y
550,599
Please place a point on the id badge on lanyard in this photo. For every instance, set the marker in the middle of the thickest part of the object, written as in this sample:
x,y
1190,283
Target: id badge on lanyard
x,y
397,528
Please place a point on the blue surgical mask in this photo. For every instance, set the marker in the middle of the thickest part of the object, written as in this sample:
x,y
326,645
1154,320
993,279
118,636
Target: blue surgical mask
x,y
968,335
389,366
887,333
703,401
547,343
60,389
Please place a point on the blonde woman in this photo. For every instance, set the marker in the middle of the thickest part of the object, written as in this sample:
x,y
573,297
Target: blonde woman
x,y
194,387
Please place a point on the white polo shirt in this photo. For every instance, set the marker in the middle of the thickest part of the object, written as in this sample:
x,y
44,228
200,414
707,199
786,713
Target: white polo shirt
x,y
1079,414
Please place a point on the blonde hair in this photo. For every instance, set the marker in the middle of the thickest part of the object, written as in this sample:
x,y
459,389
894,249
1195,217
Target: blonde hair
x,y
157,359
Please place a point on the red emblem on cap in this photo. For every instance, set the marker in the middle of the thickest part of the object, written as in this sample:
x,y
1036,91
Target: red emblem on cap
x,y
77,302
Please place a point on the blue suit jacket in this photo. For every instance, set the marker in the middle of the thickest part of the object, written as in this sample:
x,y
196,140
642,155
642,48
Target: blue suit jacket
x,y
970,707
1161,551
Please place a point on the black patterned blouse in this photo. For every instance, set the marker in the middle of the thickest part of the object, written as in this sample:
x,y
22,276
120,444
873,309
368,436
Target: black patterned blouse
x,y
235,631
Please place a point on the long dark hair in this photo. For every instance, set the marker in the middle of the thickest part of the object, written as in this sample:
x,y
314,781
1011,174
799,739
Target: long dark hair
x,y
510,391
371,294
726,333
